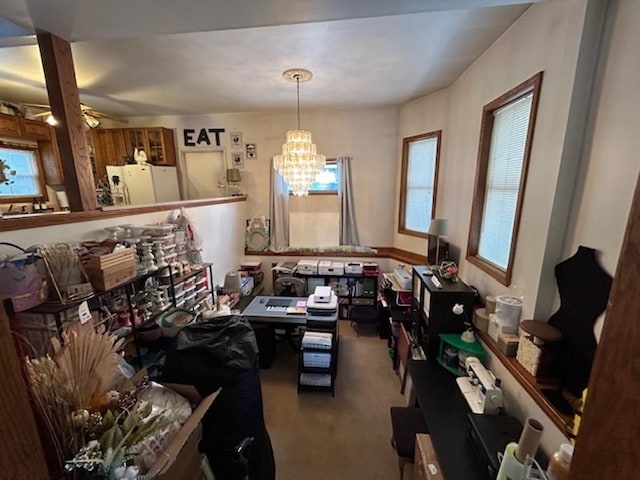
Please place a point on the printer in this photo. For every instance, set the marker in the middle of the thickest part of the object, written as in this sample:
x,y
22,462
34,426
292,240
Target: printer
x,y
307,267
402,278
481,389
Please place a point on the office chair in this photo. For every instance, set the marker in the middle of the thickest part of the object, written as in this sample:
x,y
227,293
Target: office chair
x,y
288,286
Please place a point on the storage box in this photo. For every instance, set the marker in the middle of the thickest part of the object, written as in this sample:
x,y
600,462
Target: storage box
x,y
327,267
353,268
308,267
108,271
508,344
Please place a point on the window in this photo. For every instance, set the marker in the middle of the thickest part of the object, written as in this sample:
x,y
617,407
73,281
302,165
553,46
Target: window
x,y
503,159
20,177
327,180
419,182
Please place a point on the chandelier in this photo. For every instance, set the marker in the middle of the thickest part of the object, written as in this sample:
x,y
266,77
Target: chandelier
x,y
299,163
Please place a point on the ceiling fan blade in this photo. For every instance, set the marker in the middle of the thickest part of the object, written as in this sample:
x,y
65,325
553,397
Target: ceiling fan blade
x,y
95,113
42,114
37,105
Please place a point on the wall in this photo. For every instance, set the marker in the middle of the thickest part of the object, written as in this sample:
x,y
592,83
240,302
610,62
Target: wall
x,y
314,220
368,135
221,228
546,38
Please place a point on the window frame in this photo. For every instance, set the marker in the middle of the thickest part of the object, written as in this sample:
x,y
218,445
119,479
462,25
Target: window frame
x,y
531,85
329,161
41,177
402,228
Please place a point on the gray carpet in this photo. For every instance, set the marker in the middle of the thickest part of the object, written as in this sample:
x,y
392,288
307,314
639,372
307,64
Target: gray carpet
x,y
316,436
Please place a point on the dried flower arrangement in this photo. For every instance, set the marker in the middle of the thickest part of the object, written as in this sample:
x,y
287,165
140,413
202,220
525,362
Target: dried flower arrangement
x,y
5,172
94,428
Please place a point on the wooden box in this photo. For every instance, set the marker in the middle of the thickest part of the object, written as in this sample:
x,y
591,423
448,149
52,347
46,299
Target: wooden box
x,y
110,270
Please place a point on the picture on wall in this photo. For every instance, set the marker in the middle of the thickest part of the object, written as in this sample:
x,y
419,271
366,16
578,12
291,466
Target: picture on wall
x,y
251,150
236,139
237,159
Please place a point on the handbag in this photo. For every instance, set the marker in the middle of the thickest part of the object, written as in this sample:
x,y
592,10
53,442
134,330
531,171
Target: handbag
x,y
22,279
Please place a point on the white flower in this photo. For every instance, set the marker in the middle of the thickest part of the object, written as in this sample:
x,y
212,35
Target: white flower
x,y
458,309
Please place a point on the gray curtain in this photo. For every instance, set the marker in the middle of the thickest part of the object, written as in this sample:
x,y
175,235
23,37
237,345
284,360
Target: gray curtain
x,y
278,212
348,227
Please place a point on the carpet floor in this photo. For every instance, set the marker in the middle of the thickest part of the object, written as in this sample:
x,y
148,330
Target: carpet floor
x,y
319,437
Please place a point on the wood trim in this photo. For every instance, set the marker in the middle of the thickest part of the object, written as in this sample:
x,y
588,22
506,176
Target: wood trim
x,y
533,84
57,63
22,455
610,429
382,252
529,383
403,180
8,224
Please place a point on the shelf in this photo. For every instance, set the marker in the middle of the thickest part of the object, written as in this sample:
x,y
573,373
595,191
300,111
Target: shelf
x,y
182,278
321,370
455,371
530,384
454,340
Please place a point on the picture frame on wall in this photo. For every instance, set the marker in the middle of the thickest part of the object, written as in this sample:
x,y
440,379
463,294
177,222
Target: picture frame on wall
x,y
235,139
251,150
237,159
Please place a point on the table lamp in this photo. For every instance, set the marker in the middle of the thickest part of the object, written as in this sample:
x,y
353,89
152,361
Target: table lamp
x,y
438,227
232,283
233,179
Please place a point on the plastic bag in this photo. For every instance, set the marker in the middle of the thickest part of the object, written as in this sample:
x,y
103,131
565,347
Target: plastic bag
x,y
208,354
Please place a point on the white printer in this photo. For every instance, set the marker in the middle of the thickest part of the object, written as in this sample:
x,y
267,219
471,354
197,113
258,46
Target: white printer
x,y
353,268
307,267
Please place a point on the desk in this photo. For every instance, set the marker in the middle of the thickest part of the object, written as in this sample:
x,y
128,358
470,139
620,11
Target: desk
x,y
257,312
445,411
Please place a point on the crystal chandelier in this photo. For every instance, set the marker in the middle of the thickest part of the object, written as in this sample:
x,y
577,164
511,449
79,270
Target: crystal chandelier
x,y
299,163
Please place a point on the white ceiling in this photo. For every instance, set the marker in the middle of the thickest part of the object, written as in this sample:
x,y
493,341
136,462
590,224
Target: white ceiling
x,y
141,57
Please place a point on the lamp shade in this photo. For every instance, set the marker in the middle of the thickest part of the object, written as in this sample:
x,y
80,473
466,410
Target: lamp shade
x,y
438,227
233,175
232,282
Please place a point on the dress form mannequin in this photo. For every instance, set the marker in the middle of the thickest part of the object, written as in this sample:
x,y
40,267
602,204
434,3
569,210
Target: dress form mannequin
x,y
584,288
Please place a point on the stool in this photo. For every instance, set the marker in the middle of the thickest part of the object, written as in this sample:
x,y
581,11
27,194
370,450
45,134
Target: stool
x,y
406,422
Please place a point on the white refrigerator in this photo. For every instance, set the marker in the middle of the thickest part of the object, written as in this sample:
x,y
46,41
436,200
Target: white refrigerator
x,y
151,184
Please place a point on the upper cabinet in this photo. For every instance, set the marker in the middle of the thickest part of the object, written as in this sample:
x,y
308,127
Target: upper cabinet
x,y
157,142
15,126
112,145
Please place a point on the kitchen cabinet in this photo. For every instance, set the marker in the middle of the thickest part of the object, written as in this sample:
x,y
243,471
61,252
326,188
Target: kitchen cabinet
x,y
157,142
35,130
10,125
50,158
109,148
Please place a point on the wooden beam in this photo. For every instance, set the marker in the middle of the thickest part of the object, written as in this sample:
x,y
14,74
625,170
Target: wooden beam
x,y
607,444
57,62
21,455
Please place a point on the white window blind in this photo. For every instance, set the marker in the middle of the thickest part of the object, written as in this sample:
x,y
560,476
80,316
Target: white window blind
x,y
420,184
506,157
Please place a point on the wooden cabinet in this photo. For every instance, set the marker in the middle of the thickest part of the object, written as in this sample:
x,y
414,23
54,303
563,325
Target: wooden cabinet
x,y
10,125
111,145
35,129
50,158
157,142
108,149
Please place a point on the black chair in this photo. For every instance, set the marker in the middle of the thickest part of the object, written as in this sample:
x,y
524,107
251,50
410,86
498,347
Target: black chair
x,y
406,423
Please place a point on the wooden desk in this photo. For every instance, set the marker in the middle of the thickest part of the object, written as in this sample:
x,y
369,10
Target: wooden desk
x,y
445,411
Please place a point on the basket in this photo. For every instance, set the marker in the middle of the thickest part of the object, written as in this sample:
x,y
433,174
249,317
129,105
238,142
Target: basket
x,y
22,279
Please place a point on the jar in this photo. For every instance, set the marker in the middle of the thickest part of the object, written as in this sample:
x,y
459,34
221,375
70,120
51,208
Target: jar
x,y
560,462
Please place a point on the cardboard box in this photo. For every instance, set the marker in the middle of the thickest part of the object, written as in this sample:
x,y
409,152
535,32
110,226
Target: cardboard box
x,y
426,466
181,459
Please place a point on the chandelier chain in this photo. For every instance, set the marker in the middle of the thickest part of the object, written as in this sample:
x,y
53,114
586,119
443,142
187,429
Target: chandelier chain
x,y
298,89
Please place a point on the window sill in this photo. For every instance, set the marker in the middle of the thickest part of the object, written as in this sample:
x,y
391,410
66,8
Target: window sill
x,y
530,384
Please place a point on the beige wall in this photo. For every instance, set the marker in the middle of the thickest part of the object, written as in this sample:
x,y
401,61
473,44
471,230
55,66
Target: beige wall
x,y
221,228
369,135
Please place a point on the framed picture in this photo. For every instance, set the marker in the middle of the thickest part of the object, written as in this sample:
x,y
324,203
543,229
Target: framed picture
x,y
250,150
237,159
236,139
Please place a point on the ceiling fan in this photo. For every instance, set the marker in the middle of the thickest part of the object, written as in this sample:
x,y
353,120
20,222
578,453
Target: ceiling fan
x,y
91,117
